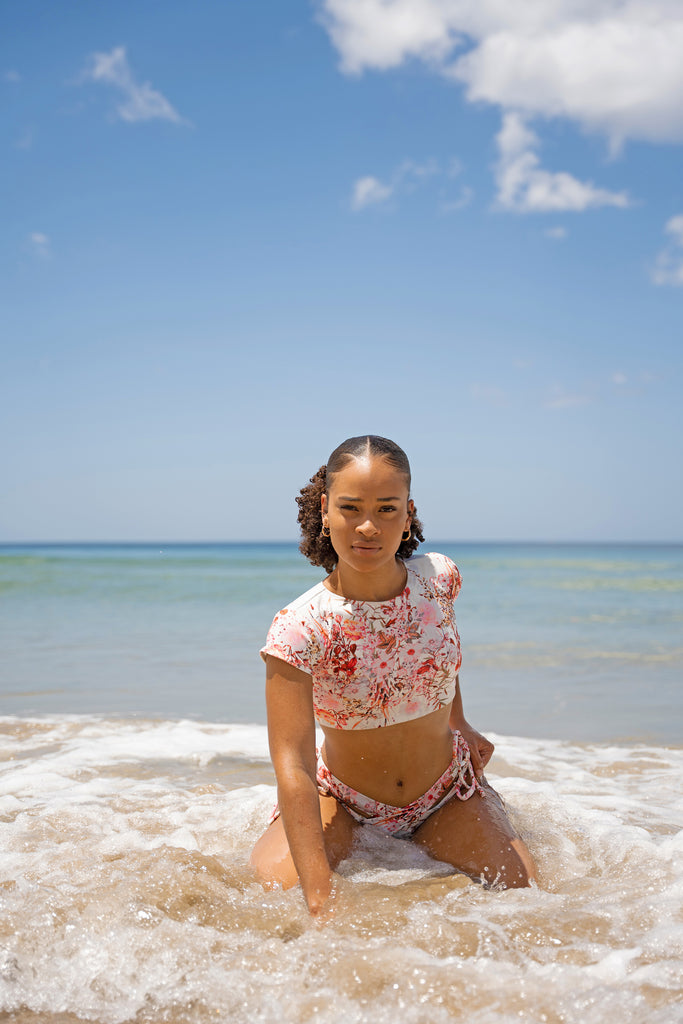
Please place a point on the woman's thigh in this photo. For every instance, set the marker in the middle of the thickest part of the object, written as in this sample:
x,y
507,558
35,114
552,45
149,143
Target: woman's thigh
x,y
477,838
272,860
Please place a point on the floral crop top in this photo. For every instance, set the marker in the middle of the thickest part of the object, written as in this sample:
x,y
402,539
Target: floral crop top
x,y
375,663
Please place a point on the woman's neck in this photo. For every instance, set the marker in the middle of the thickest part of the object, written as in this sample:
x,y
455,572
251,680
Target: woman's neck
x,y
360,586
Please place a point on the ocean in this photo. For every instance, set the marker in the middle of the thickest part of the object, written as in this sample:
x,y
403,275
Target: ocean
x,y
134,780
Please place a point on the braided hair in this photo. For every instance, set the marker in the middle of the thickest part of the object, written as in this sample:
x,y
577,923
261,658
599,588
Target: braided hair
x,y
317,548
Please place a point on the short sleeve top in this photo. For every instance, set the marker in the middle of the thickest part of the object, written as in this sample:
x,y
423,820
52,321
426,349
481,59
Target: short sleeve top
x,y
376,663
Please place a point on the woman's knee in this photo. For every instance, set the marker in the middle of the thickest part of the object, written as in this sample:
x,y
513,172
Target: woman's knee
x,y
526,871
477,838
516,868
272,860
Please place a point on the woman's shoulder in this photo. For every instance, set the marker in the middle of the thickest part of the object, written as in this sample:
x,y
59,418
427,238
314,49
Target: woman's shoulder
x,y
293,627
312,598
430,563
441,569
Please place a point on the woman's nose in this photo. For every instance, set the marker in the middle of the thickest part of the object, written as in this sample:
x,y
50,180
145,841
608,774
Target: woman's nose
x,y
368,528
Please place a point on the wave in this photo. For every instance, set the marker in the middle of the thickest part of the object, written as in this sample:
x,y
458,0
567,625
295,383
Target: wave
x,y
125,892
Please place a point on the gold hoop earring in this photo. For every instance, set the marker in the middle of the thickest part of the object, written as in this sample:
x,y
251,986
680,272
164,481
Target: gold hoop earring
x,y
323,533
409,532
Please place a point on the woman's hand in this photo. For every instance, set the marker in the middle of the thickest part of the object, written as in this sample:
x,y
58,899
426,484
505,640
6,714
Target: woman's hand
x,y
481,749
322,901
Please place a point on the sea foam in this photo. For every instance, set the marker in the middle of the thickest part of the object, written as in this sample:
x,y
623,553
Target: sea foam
x,y
125,891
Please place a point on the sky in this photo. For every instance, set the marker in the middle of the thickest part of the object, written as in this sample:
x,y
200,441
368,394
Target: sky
x,y
236,232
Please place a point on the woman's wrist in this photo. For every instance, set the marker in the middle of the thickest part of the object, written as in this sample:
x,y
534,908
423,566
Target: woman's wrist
x,y
318,891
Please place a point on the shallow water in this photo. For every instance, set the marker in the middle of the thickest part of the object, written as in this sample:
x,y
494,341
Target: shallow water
x,y
579,642
125,893
125,829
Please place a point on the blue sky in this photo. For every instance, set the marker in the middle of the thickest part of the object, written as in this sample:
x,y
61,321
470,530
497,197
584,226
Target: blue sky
x,y
235,233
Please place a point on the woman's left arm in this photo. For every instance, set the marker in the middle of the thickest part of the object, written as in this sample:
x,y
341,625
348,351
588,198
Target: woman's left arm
x,y
481,749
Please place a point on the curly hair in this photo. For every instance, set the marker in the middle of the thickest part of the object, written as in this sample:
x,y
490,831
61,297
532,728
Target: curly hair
x,y
318,549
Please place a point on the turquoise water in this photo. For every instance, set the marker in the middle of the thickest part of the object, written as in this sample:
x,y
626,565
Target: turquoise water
x,y
576,642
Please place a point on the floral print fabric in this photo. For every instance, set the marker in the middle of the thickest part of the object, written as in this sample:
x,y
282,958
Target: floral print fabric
x,y
376,663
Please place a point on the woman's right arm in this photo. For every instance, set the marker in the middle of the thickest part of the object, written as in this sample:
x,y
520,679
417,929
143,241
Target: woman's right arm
x,y
291,735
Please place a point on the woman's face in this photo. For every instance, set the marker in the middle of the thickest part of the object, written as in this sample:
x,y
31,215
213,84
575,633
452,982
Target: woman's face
x,y
367,510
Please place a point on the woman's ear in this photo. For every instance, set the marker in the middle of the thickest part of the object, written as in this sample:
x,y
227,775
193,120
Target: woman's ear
x,y
323,504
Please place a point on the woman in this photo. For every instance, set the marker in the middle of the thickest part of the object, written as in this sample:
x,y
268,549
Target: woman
x,y
372,653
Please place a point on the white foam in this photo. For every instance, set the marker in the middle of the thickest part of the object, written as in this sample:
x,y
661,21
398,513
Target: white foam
x,y
105,740
125,890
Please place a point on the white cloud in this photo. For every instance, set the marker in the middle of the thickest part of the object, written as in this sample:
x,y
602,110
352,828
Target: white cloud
x,y
609,65
39,244
669,266
618,75
557,233
383,33
454,205
619,378
412,172
369,191
408,176
525,187
140,101
675,227
12,76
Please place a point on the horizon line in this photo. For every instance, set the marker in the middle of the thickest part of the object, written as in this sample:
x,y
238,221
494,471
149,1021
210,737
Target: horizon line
x,y
214,543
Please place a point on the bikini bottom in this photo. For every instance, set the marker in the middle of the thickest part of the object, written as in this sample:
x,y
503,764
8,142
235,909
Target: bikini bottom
x,y
402,822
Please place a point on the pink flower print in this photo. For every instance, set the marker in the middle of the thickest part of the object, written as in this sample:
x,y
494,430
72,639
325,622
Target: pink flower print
x,y
354,629
430,614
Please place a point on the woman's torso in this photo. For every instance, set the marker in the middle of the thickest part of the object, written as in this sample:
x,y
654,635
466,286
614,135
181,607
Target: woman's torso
x,y
383,678
395,764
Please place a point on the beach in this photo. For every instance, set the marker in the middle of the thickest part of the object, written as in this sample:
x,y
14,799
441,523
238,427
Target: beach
x,y
134,780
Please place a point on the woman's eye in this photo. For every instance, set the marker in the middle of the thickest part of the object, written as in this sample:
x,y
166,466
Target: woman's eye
x,y
388,508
